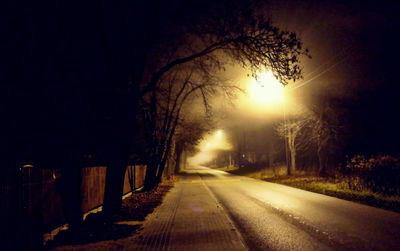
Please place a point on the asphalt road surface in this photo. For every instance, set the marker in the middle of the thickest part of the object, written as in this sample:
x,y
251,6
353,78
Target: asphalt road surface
x,y
275,217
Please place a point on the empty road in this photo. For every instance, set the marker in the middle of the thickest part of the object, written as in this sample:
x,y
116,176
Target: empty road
x,y
275,217
216,211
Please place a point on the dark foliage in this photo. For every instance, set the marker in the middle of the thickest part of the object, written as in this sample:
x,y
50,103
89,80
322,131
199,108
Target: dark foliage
x,y
80,71
380,174
139,205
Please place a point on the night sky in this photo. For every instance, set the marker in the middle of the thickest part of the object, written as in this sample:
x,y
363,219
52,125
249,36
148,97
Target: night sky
x,y
60,57
355,61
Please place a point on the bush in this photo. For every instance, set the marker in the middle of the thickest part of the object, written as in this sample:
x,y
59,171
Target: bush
x,y
380,174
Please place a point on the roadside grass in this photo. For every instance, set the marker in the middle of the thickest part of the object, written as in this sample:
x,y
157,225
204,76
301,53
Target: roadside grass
x,y
265,173
226,168
328,186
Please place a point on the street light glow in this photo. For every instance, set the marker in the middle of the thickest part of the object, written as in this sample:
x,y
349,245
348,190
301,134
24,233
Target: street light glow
x,y
209,146
266,89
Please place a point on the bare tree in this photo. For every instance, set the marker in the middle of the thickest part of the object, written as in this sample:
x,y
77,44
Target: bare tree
x,y
164,107
290,130
188,134
315,128
326,130
209,37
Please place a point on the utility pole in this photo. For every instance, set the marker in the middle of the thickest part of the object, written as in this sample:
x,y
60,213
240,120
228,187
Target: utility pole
x,y
286,138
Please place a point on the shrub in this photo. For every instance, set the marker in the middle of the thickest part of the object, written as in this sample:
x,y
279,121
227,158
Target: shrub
x,y
380,174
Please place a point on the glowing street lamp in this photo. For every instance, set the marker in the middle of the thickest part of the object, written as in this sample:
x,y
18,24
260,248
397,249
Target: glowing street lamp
x,y
267,90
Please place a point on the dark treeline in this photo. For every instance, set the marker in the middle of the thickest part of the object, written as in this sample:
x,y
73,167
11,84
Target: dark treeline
x,y
328,132
105,82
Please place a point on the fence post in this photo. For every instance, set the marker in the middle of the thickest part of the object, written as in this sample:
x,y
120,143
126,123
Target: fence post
x,y
9,208
134,178
30,208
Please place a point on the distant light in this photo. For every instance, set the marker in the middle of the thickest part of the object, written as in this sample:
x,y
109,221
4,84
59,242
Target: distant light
x,y
209,147
243,155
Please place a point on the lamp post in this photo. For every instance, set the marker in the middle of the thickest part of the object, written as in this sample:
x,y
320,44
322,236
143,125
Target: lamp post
x,y
286,138
269,91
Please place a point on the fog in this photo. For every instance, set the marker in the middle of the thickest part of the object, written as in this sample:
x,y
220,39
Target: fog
x,y
351,76
208,147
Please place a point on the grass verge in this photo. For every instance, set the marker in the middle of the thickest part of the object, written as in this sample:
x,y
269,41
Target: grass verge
x,y
331,187
228,169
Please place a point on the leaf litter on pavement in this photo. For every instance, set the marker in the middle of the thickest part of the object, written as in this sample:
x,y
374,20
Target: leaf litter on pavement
x,y
125,223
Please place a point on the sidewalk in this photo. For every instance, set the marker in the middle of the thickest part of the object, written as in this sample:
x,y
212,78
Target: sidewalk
x,y
189,218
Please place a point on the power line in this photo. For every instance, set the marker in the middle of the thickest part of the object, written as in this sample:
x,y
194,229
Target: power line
x,y
324,71
329,61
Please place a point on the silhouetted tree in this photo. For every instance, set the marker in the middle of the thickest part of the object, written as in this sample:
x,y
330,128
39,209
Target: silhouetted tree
x,y
209,36
326,129
188,134
164,106
114,55
315,128
290,129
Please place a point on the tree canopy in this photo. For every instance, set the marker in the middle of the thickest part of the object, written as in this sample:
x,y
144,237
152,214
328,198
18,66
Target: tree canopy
x,y
115,61
190,55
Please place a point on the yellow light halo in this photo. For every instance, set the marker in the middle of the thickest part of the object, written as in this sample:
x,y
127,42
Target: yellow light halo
x,y
266,89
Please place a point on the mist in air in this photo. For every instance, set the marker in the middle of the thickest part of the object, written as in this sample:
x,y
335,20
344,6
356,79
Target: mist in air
x,y
208,148
261,102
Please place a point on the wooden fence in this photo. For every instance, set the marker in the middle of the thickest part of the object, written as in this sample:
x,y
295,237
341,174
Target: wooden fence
x,y
32,203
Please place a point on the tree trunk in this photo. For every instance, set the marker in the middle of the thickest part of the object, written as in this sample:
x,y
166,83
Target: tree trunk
x,y
122,130
161,168
292,161
184,158
292,154
118,146
287,156
321,157
178,157
71,191
150,178
126,69
322,162
115,176
117,158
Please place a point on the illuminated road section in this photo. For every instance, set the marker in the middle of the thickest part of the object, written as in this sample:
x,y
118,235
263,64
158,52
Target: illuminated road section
x,y
275,217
